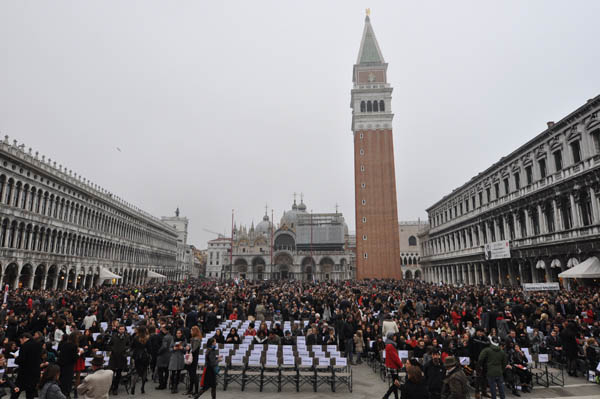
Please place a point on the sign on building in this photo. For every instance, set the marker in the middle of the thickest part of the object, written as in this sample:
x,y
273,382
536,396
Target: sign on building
x,y
541,287
497,250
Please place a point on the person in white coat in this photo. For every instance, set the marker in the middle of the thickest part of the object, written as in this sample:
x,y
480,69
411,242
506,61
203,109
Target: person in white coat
x,y
97,384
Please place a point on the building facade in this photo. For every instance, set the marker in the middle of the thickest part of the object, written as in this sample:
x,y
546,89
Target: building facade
x,y
59,230
218,255
185,252
542,199
305,246
377,242
410,248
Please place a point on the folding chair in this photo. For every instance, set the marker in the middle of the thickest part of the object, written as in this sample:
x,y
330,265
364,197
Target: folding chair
x,y
305,373
323,373
341,374
234,373
270,375
288,373
252,374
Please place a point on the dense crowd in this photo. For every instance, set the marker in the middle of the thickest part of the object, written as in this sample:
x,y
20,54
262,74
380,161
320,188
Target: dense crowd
x,y
160,327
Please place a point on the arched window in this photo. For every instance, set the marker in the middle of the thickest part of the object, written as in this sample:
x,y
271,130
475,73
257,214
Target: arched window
x,y
375,106
410,261
369,107
363,106
412,241
381,106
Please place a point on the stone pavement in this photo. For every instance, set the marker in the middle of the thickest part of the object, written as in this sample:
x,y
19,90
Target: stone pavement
x,y
367,384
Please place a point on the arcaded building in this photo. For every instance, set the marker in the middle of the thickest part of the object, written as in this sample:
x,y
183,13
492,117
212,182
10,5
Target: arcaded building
x,y
526,218
59,230
410,248
377,241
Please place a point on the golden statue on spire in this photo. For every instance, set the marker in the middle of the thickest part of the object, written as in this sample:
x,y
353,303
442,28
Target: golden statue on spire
x,y
368,12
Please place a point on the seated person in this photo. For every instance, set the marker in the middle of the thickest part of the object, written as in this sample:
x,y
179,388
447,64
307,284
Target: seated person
x,y
250,331
260,338
288,339
233,337
313,337
273,338
518,368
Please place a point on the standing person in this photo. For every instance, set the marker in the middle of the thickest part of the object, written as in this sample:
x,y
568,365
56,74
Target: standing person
x,y
140,348
495,361
176,363
211,370
415,386
29,360
49,388
456,382
97,384
435,373
358,346
393,362
568,338
68,352
164,356
118,346
348,336
192,368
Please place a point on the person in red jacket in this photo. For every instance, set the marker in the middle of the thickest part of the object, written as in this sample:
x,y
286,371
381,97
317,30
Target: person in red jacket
x,y
392,362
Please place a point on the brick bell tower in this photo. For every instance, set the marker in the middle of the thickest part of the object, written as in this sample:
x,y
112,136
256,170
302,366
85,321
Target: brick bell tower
x,y
377,236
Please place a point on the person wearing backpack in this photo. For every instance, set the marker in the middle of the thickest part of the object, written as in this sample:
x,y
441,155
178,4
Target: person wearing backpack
x,y
456,384
140,350
495,361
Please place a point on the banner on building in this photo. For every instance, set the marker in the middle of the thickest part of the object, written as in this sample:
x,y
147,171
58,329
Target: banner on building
x,y
497,250
541,287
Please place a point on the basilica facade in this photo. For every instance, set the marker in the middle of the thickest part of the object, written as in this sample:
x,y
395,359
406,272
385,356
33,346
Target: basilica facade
x,y
304,246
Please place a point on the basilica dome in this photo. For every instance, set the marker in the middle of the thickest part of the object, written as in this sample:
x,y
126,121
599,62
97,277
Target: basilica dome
x,y
290,218
264,226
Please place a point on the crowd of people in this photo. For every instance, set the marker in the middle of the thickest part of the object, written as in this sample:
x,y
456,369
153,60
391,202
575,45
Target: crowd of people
x,y
160,328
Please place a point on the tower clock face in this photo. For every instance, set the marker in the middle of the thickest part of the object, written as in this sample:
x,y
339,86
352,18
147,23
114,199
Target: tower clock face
x,y
371,77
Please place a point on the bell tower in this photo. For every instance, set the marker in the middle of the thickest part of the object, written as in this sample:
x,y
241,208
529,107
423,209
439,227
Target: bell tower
x,y
377,236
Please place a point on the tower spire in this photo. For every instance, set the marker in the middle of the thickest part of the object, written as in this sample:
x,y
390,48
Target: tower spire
x,y
369,52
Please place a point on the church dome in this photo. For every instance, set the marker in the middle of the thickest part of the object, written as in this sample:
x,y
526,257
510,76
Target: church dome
x,y
302,206
290,218
264,226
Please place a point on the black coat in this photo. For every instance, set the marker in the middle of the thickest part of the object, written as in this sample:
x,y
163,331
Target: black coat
x,y
434,376
29,360
118,351
413,390
209,379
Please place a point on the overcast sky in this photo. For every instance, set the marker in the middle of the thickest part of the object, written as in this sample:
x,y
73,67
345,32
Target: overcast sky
x,y
234,104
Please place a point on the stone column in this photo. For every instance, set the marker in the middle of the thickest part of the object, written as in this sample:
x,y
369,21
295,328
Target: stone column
x,y
521,274
500,275
574,212
557,220
541,219
31,279
45,278
594,202
478,270
517,225
534,278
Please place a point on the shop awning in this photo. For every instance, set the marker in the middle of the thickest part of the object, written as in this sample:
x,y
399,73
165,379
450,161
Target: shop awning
x,y
152,274
589,268
106,274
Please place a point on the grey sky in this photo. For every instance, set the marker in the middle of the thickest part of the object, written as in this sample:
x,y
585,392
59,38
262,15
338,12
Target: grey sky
x,y
234,104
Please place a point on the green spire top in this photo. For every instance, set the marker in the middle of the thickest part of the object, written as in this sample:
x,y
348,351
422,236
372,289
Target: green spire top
x,y
369,49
